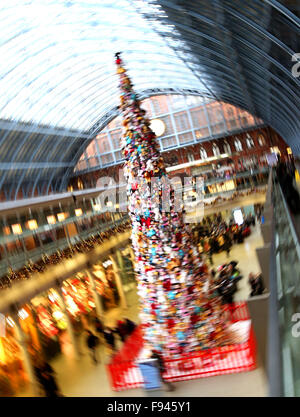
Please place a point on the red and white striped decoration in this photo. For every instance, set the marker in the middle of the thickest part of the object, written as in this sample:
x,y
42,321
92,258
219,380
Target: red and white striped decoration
x,y
125,374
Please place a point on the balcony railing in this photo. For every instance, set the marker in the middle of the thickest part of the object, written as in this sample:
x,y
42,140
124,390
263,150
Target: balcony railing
x,y
287,268
22,257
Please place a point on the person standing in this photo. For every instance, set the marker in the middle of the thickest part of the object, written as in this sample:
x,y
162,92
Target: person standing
x,y
256,284
92,342
221,241
227,243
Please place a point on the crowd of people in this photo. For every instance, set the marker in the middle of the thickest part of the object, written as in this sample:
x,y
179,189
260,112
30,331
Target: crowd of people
x,y
227,277
82,246
108,336
100,335
225,280
213,235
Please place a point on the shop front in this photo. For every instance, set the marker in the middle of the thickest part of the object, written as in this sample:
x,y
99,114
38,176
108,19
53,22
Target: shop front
x,y
128,274
79,302
13,377
51,312
47,326
105,283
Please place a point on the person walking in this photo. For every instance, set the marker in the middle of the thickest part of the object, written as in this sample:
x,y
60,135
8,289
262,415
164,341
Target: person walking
x,y
130,326
110,338
162,369
98,326
46,377
50,385
92,342
121,330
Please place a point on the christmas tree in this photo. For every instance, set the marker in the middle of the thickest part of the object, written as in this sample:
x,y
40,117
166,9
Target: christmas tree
x,y
179,309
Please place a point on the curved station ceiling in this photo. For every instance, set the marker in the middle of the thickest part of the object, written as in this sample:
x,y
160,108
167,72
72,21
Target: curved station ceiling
x,y
59,87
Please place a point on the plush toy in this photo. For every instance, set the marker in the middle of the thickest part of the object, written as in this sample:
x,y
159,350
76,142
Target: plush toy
x,y
170,283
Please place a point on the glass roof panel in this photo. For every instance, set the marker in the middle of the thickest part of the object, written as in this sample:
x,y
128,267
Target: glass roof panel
x,y
58,59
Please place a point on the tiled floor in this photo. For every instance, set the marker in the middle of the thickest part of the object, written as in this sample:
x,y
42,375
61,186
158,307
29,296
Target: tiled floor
x,y
84,378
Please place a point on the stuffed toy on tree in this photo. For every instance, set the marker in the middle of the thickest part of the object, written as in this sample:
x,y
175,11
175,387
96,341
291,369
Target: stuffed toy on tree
x,y
180,311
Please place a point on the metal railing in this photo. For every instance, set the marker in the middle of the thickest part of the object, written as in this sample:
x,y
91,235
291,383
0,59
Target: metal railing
x,y
284,308
18,260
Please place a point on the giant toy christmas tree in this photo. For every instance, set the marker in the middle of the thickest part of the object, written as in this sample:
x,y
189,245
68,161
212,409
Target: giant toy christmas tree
x,y
180,311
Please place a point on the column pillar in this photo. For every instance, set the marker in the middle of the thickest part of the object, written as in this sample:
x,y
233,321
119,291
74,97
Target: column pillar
x,y
67,234
259,312
98,303
21,340
120,262
118,281
263,254
70,329
132,257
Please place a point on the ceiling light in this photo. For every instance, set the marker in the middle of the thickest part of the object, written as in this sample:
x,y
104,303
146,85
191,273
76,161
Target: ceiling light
x,y
17,229
158,127
32,224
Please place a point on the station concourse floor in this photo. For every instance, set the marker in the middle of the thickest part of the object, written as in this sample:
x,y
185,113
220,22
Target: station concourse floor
x,y
82,378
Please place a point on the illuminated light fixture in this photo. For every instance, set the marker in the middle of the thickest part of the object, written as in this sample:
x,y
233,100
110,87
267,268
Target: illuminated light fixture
x,y
6,230
17,229
158,127
57,315
51,298
109,204
51,219
23,314
61,217
78,212
97,207
289,151
32,224
117,206
10,321
107,263
98,274
275,149
198,162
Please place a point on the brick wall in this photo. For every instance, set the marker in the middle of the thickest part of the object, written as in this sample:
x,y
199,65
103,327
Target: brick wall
x,y
180,156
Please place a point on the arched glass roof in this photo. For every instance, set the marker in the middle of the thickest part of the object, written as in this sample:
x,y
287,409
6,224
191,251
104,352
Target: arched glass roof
x,y
185,120
250,48
57,73
58,59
